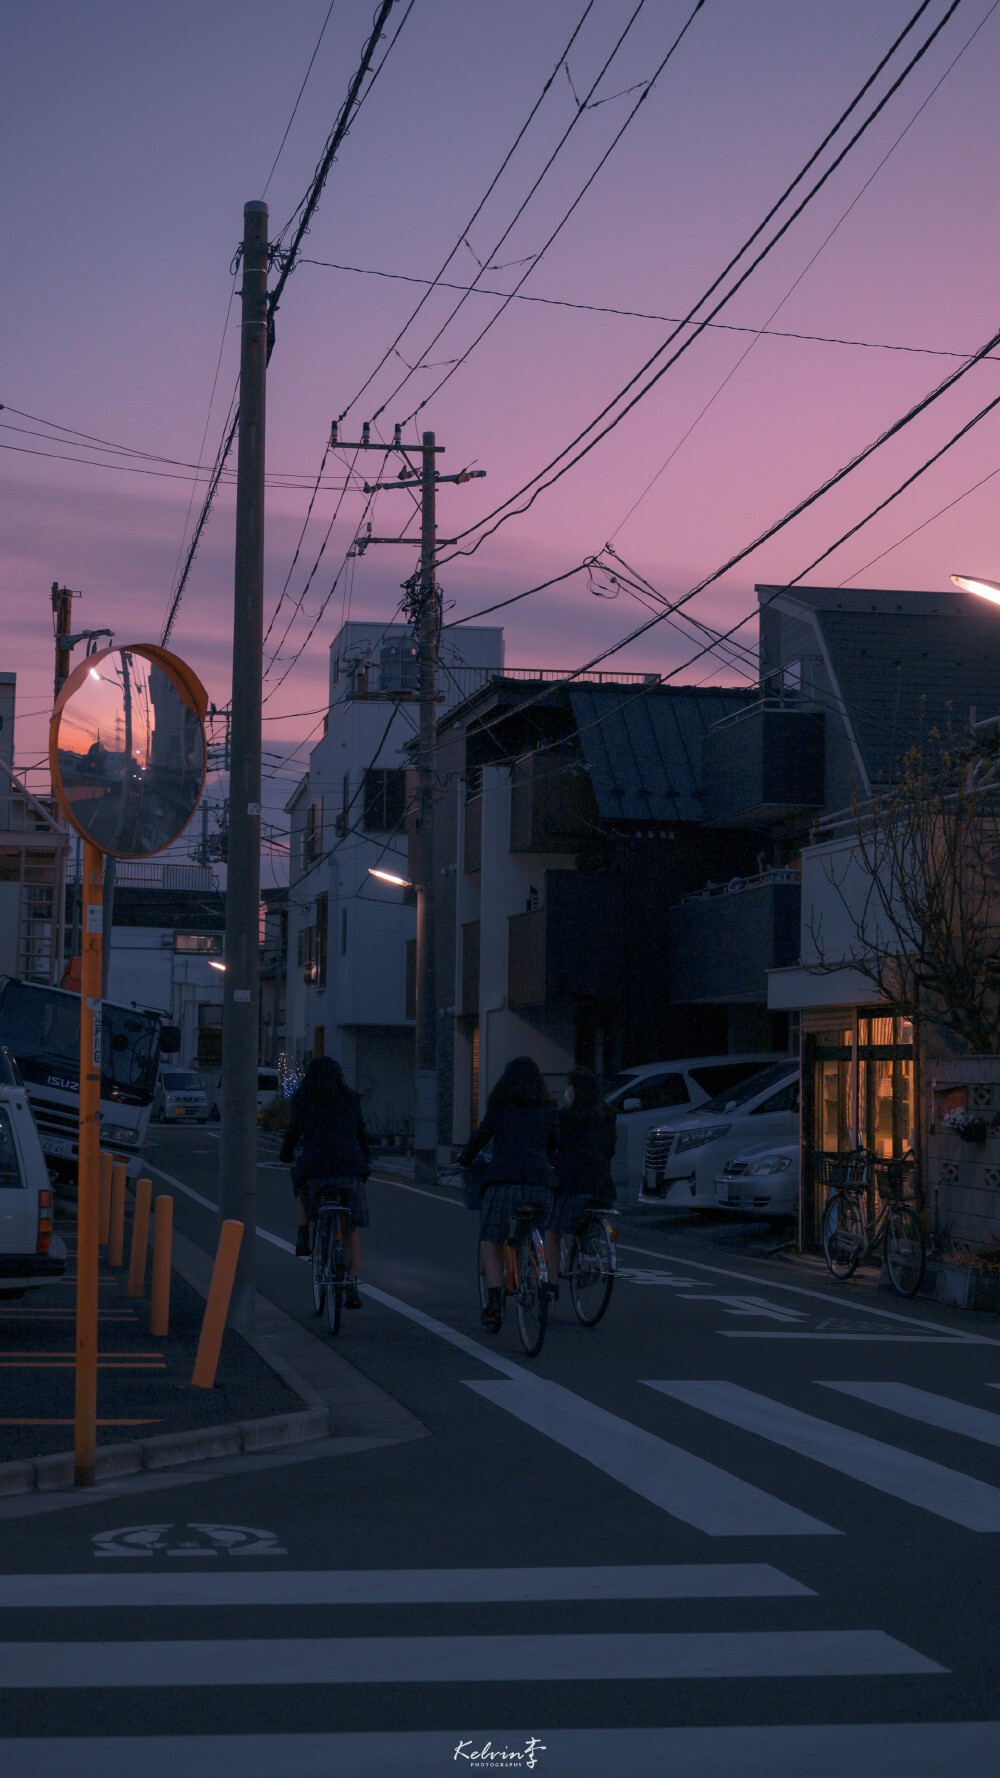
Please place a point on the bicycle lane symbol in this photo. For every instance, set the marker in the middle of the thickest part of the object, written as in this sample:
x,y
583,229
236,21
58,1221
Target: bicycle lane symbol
x,y
194,1540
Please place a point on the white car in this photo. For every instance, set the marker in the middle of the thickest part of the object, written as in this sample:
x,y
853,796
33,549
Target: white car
x,y
762,1180
268,1088
179,1098
30,1254
642,1097
684,1155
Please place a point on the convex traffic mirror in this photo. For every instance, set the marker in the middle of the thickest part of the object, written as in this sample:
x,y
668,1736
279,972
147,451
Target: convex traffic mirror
x,y
127,749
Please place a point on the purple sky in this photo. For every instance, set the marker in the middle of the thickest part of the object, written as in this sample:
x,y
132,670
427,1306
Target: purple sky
x,y
135,134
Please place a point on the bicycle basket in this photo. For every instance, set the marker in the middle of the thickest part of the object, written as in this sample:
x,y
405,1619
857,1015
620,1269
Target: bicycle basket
x,y
850,1167
894,1178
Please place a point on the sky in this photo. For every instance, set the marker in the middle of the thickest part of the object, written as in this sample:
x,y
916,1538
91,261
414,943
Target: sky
x,y
133,135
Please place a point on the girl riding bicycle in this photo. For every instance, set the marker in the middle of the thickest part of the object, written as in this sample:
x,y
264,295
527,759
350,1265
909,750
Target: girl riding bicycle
x,y
327,1144
587,1137
521,1124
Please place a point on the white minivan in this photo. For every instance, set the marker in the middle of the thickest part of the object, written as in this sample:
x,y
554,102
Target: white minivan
x,y
180,1097
268,1088
685,1154
644,1096
30,1254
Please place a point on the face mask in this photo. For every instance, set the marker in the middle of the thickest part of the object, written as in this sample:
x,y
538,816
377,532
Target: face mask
x,y
568,1096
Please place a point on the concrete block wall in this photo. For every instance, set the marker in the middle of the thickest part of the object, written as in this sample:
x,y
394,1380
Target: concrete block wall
x,y
963,1178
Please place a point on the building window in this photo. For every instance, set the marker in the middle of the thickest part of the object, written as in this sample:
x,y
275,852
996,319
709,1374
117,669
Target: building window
x,y
322,917
199,944
385,800
312,836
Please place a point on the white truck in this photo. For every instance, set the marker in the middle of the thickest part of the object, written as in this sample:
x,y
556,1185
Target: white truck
x,y
40,1028
30,1254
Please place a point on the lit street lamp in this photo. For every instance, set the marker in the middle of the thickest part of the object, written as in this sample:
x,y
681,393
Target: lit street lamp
x,y
985,589
387,876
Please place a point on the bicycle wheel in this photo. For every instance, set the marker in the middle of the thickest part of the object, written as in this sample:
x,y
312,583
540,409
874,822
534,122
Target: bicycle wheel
x,y
532,1300
335,1288
905,1255
592,1272
843,1235
316,1261
483,1287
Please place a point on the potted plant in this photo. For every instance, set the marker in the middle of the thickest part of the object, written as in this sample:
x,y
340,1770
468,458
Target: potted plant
x,y
969,1277
966,1125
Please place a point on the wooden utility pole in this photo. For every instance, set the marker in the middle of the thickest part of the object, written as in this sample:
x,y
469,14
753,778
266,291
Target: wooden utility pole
x,y
238,1157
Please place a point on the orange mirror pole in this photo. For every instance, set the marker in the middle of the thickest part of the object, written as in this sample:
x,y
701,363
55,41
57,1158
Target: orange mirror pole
x,y
89,1178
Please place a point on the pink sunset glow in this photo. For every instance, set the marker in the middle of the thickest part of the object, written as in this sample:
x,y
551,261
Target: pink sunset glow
x,y
136,134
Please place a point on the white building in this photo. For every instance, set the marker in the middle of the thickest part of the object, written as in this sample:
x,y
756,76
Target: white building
x,y
350,937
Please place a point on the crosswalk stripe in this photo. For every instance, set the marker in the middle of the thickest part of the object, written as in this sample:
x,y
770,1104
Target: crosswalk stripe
x,y
932,1410
401,1586
427,1660
821,1750
916,1480
681,1484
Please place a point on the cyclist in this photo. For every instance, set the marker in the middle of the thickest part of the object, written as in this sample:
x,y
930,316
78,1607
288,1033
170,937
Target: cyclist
x,y
521,1124
327,1144
587,1137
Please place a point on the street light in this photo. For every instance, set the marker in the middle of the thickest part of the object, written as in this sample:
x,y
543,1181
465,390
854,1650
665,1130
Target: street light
x,y
213,965
387,876
985,589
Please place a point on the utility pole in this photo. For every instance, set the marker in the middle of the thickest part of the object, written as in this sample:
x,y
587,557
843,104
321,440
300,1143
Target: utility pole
x,y
423,608
241,982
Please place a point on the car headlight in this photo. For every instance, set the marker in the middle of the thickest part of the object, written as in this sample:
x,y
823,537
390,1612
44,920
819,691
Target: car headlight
x,y
117,1133
778,1163
698,1138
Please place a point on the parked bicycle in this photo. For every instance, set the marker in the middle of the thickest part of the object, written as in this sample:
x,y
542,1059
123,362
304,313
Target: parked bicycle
x,y
847,1234
591,1263
330,1237
526,1278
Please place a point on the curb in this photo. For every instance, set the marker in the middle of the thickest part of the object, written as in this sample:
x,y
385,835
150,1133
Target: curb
x,y
339,1401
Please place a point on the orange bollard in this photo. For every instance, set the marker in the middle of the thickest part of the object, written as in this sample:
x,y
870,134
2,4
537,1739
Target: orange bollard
x,y
104,1213
159,1298
140,1237
217,1307
116,1232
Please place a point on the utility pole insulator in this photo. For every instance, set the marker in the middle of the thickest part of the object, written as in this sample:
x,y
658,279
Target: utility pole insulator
x,y
334,428
366,434
397,435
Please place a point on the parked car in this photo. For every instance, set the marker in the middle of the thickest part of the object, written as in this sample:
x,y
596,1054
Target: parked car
x,y
762,1180
684,1154
30,1254
179,1098
268,1088
641,1096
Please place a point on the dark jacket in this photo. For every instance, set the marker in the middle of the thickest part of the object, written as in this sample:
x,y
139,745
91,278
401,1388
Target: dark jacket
x,y
332,1144
524,1142
586,1144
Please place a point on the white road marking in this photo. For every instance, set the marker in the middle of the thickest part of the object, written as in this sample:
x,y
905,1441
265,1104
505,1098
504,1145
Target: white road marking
x,y
429,1660
752,1305
206,1204
809,1750
687,1487
770,1333
399,1586
944,1492
931,1410
816,1296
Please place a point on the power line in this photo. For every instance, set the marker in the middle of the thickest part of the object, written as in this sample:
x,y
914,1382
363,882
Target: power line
x,y
581,108
562,302
700,325
298,100
434,282
539,256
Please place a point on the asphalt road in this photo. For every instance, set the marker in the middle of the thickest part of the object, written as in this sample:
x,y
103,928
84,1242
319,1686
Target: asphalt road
x,y
748,1525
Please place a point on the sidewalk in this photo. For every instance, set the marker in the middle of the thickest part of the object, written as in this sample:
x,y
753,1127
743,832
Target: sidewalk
x,y
278,1386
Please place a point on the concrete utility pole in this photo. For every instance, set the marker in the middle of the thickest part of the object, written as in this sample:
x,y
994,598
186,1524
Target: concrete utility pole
x,y
423,607
238,1157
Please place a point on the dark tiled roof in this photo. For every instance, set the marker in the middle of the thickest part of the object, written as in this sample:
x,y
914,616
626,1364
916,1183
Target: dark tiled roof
x,y
643,748
950,604
902,673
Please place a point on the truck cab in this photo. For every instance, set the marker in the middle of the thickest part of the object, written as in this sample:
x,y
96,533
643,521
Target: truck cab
x,y
30,1254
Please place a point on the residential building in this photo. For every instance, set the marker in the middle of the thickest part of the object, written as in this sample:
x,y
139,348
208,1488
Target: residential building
x,y
33,852
348,933
569,825
877,672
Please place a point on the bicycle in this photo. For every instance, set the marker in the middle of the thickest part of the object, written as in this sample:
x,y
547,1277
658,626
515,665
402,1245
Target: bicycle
x,y
330,1232
526,1278
591,1265
846,1233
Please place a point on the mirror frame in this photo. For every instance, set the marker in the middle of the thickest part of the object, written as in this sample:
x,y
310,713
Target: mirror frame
x,y
184,680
